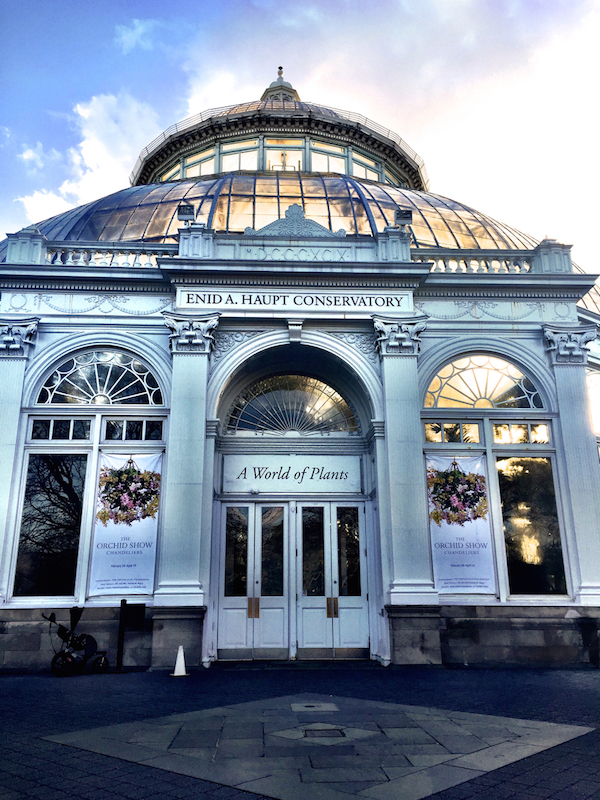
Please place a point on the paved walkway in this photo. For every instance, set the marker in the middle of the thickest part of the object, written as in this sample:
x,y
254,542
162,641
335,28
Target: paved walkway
x,y
318,732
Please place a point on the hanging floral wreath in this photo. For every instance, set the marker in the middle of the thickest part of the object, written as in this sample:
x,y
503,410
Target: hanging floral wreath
x,y
456,497
127,494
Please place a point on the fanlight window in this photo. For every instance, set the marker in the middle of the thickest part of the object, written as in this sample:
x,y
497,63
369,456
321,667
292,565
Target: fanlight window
x,y
102,377
291,404
481,382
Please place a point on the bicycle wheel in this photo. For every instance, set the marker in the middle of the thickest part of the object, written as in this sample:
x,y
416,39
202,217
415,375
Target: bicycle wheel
x,y
62,665
100,665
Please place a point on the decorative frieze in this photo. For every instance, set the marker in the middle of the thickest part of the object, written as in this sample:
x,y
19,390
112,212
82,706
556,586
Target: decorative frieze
x,y
567,345
224,341
16,337
399,337
363,342
191,334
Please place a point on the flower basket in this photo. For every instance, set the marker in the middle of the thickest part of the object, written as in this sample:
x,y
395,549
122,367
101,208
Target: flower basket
x,y
455,497
127,494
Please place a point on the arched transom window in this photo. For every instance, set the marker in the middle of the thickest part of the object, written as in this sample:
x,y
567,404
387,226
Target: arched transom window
x,y
101,377
481,382
291,404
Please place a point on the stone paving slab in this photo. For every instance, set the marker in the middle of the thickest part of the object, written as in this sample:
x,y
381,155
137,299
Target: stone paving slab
x,y
314,747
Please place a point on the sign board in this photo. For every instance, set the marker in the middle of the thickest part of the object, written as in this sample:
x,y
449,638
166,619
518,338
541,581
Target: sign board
x,y
285,302
291,474
124,546
461,542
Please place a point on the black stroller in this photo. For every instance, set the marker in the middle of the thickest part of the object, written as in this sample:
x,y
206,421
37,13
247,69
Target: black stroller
x,y
77,649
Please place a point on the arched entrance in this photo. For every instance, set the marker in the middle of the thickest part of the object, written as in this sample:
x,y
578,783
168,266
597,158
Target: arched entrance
x,y
293,515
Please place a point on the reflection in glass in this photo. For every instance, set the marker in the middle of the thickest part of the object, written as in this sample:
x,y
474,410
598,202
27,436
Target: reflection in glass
x,y
272,552
433,432
452,431
481,382
540,434
531,531
236,551
348,552
470,431
81,429
133,429
101,377
40,429
313,552
50,525
154,429
291,403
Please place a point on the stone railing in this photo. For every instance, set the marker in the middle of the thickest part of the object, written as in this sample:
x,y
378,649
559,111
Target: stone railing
x,y
111,254
477,261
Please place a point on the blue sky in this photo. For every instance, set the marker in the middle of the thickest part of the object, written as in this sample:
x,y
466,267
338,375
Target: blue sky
x,y
499,97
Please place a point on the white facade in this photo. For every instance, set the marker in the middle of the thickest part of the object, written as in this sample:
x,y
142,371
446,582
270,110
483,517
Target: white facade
x,y
290,542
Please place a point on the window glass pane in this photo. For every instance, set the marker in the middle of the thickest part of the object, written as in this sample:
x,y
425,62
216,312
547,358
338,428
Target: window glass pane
x,y
519,434
501,434
365,160
114,429
272,552
452,431
239,145
40,429
372,176
333,147
313,552
61,428
358,170
433,432
540,434
207,167
337,164
470,432
319,162
236,551
297,142
192,172
133,429
531,532
230,161
172,173
348,552
50,525
249,160
154,429
81,429
290,160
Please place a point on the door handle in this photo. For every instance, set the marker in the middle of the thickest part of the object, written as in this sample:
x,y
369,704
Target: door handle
x,y
253,607
329,608
335,607
332,608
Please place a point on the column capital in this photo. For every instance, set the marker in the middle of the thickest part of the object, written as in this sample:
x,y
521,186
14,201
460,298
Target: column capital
x,y
17,336
399,336
191,334
566,344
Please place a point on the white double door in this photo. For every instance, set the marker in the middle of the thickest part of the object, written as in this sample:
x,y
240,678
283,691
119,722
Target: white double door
x,y
293,581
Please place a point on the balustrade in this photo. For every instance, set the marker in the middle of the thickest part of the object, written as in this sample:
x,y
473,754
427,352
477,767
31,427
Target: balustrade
x,y
116,256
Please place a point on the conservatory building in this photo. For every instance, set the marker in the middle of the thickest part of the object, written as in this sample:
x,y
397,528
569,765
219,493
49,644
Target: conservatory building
x,y
289,404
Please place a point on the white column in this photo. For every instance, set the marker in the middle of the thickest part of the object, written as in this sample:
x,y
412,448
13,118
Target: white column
x,y
179,569
568,355
16,339
405,526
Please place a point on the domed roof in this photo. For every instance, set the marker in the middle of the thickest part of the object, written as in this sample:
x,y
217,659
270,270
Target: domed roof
x,y
232,202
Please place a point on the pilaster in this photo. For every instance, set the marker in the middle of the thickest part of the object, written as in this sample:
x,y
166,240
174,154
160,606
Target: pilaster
x,y
566,348
17,337
179,572
405,528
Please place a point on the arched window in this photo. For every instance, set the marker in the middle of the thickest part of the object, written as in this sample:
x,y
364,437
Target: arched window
x,y
291,404
481,382
101,377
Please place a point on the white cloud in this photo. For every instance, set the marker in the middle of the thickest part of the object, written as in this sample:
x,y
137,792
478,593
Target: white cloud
x,y
114,129
138,34
36,158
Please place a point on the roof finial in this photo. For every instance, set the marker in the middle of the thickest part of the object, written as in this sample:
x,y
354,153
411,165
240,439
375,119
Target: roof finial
x,y
280,89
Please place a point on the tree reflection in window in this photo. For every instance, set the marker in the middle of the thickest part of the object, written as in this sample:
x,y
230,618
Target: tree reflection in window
x,y
291,404
102,377
531,531
481,382
50,526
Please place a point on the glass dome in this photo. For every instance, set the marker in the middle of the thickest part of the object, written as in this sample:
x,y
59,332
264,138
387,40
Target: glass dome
x,y
232,202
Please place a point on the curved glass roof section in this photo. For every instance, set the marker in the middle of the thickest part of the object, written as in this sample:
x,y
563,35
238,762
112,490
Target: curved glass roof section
x,y
232,202
287,108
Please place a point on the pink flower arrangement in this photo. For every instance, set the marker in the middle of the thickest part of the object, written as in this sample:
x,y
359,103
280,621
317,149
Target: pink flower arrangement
x,y
454,497
127,494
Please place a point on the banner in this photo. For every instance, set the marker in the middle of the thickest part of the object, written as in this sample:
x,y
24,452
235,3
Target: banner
x,y
461,541
124,546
